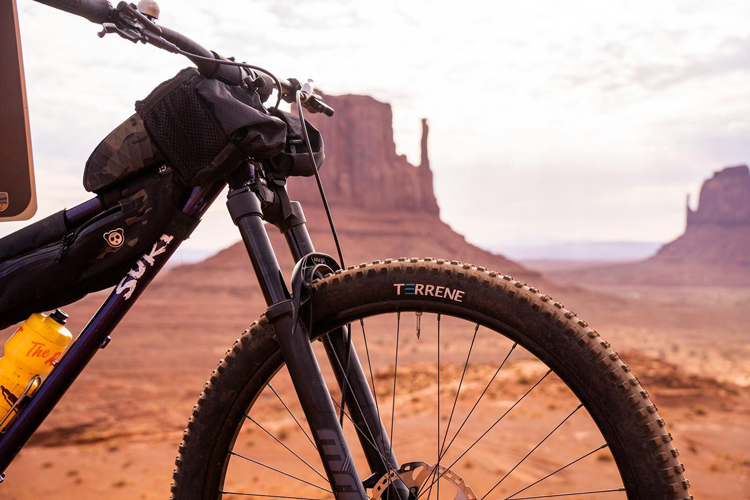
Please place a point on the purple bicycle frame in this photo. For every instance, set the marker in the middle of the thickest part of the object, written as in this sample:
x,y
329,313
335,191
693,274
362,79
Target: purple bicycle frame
x,y
96,333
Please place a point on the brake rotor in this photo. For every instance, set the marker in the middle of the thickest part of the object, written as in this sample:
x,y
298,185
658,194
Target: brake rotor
x,y
415,474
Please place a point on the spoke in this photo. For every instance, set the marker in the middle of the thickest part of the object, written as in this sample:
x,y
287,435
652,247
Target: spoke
x,y
292,415
437,467
438,404
455,401
460,384
372,377
395,373
533,450
279,471
445,451
491,427
264,496
286,447
556,471
613,490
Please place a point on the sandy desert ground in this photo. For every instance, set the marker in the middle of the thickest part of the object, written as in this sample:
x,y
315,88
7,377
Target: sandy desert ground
x,y
116,433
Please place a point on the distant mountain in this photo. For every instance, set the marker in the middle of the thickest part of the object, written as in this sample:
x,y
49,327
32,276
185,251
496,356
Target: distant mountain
x,y
604,251
714,250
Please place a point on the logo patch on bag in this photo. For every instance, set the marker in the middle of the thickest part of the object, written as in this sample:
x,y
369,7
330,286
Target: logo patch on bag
x,y
115,238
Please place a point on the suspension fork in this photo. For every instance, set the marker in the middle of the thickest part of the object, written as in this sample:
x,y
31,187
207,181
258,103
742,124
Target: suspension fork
x,y
351,378
309,384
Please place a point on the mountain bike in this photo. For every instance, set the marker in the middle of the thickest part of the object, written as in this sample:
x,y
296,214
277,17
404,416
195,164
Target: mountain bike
x,y
456,351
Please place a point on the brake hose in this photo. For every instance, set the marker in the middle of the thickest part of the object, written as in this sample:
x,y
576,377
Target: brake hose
x,y
298,98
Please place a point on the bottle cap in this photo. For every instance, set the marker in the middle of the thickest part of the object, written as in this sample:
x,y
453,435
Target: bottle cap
x,y
51,327
59,316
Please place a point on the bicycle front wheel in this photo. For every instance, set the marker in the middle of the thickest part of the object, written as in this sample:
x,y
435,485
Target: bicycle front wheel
x,y
487,388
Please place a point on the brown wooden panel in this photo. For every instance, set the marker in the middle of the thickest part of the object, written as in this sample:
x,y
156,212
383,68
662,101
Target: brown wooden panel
x,y
17,189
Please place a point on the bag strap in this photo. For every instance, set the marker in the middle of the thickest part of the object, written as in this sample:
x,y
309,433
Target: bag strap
x,y
286,205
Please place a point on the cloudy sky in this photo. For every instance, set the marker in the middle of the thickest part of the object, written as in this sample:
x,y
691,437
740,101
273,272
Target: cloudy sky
x,y
550,121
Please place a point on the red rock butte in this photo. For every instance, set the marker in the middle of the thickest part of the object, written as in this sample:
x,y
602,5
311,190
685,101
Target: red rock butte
x,y
718,232
383,206
362,168
724,200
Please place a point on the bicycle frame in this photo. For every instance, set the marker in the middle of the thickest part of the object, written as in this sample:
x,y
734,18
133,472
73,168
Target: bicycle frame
x,y
245,209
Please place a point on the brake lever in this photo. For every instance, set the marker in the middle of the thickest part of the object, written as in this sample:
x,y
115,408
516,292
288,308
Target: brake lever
x,y
138,17
128,34
132,25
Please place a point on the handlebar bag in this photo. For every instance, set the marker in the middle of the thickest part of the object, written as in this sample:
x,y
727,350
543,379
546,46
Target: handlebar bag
x,y
294,160
204,128
48,264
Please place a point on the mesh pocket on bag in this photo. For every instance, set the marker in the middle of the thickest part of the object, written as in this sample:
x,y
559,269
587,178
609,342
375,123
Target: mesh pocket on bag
x,y
184,132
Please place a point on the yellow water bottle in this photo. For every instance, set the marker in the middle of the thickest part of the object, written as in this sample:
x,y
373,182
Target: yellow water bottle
x,y
30,351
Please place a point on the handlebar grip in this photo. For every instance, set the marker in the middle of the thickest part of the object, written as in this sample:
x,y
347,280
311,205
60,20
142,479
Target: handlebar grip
x,y
324,108
96,11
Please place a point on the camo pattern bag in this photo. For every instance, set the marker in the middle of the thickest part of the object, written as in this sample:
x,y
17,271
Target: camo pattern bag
x,y
126,151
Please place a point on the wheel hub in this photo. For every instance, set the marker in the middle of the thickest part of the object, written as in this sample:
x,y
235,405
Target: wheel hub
x,y
416,475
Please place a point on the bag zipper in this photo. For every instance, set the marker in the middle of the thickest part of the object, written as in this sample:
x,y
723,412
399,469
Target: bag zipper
x,y
70,238
35,255
59,247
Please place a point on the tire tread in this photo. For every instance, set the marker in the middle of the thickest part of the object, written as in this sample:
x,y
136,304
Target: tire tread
x,y
595,350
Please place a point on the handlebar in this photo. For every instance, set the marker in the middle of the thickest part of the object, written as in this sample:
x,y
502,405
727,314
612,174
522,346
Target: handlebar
x,y
135,26
96,11
232,75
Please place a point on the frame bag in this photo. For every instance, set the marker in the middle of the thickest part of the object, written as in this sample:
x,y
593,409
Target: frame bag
x,y
49,264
